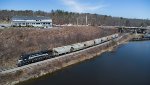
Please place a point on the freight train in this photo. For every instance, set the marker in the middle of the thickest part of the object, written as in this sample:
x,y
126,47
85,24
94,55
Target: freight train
x,y
47,54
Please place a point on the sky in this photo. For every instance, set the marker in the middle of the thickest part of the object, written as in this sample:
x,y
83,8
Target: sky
x,y
139,9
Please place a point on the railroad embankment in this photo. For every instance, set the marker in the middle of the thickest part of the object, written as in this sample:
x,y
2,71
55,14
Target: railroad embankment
x,y
17,41
48,66
140,37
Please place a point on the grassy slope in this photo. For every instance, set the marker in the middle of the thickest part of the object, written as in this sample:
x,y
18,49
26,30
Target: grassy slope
x,y
14,42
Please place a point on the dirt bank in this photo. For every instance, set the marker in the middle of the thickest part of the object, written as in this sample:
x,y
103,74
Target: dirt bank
x,y
57,63
14,42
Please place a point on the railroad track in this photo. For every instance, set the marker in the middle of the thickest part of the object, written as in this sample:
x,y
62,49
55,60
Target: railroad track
x,y
29,66
4,69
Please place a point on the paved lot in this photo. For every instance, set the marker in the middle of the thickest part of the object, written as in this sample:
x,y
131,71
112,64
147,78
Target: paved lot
x,y
2,26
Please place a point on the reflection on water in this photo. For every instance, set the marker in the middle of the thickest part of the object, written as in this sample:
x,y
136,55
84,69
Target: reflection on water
x,y
128,65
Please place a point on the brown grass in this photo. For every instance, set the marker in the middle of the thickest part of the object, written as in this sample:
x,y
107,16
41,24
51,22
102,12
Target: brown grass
x,y
14,42
56,64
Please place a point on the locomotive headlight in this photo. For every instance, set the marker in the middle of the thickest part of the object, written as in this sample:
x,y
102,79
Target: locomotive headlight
x,y
19,61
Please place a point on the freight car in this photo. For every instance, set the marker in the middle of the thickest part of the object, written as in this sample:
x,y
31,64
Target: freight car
x,y
77,47
61,50
88,43
47,54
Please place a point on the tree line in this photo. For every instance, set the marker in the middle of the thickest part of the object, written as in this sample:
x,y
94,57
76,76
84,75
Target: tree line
x,y
61,17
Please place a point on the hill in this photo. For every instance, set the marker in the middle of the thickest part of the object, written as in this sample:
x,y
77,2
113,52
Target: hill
x,y
14,42
60,17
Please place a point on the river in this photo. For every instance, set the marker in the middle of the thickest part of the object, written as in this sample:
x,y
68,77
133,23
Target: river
x,y
129,64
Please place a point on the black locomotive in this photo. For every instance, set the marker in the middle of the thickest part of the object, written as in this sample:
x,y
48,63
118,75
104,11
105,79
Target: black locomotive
x,y
34,57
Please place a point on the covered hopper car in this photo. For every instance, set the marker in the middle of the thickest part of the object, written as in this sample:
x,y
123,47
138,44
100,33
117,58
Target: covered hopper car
x,y
47,54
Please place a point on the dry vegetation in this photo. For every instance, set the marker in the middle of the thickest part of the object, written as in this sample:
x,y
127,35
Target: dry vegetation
x,y
55,64
14,42
61,17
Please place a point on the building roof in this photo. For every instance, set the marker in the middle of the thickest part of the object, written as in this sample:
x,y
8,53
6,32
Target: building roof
x,y
30,18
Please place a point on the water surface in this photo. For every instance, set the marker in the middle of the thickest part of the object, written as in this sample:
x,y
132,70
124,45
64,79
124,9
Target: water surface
x,y
128,65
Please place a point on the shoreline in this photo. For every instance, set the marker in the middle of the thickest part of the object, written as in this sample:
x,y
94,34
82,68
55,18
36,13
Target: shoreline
x,y
59,63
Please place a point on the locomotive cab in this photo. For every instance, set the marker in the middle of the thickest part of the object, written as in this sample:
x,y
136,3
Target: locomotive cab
x,y
22,60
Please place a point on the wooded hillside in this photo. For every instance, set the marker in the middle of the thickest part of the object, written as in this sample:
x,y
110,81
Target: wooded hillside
x,y
63,17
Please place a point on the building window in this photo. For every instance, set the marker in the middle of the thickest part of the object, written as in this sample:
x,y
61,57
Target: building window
x,y
47,23
38,20
37,23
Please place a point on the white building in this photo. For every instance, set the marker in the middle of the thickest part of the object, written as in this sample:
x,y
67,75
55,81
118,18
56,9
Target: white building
x,y
31,21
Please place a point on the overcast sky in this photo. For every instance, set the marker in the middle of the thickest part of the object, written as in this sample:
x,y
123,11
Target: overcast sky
x,y
121,8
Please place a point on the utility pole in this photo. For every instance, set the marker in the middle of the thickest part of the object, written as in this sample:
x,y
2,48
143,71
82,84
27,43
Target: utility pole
x,y
86,20
77,21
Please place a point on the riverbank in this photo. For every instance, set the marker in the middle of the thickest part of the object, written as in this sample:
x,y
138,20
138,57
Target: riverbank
x,y
29,40
51,65
128,64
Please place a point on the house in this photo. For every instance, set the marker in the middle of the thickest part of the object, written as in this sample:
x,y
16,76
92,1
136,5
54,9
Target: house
x,y
31,21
